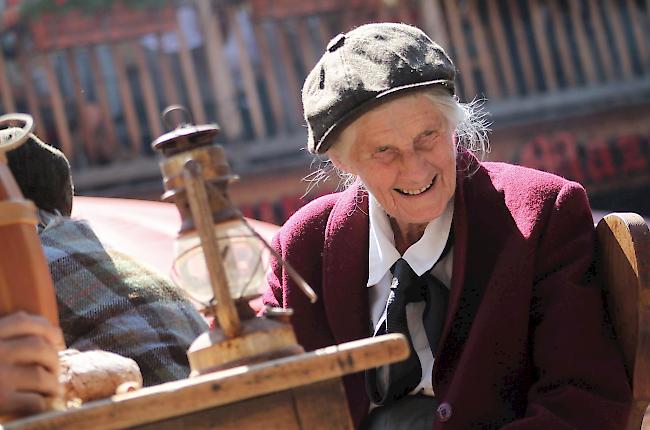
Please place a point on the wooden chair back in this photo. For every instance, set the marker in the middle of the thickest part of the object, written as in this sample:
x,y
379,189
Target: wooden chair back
x,y
624,251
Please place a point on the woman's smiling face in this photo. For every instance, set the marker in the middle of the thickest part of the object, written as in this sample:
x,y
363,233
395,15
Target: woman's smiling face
x,y
404,153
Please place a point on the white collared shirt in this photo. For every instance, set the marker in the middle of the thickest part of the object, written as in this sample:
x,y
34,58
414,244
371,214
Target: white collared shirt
x,y
420,256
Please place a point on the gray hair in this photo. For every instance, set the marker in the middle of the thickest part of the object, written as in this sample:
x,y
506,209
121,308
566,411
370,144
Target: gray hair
x,y
468,120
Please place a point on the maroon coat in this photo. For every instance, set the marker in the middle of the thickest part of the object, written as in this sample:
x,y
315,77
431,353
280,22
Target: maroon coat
x,y
524,346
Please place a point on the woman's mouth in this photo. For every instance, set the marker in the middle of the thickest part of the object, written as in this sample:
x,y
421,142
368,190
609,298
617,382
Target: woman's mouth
x,y
418,191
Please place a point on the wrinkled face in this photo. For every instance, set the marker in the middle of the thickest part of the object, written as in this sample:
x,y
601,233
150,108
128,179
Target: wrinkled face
x,y
404,153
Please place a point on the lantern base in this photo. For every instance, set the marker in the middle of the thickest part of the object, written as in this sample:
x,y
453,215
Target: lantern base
x,y
261,339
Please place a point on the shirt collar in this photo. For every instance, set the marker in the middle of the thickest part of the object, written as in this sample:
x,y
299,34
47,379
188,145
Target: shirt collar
x,y
421,256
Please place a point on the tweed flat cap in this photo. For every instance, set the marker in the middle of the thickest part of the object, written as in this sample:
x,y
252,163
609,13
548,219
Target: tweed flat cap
x,y
363,66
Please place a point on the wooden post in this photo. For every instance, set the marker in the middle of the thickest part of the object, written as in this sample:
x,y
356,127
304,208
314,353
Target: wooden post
x,y
223,86
166,75
503,53
33,102
88,145
8,103
248,76
516,14
460,47
271,78
615,17
112,144
148,92
433,21
541,40
586,59
488,72
291,75
60,117
601,41
132,124
640,33
562,42
189,76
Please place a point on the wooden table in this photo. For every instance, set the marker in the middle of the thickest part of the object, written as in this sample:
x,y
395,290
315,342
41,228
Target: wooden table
x,y
298,392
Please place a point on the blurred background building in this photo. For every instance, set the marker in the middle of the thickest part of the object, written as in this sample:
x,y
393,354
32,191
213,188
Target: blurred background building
x,y
566,82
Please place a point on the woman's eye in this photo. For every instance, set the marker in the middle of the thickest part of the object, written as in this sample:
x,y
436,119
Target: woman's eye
x,y
382,149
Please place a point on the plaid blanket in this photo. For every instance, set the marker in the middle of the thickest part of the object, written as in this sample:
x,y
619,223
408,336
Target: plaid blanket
x,y
109,301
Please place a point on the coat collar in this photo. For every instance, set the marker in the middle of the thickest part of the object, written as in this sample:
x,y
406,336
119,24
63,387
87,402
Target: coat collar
x,y
345,258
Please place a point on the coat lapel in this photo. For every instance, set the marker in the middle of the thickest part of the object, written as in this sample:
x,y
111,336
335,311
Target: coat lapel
x,y
345,267
479,235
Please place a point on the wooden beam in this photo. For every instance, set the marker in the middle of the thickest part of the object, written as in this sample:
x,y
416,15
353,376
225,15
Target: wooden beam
x,y
112,145
601,40
640,33
541,39
433,21
616,21
88,145
459,43
56,101
270,77
225,387
190,79
148,92
248,75
128,105
563,42
169,84
523,51
225,93
503,53
493,89
8,102
584,52
33,102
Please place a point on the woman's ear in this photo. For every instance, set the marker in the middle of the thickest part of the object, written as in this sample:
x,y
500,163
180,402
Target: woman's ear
x,y
337,159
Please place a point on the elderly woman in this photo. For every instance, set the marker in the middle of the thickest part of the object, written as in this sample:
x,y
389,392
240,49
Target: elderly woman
x,y
485,267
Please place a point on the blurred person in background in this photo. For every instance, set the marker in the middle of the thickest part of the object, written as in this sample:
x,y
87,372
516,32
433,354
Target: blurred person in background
x,y
106,300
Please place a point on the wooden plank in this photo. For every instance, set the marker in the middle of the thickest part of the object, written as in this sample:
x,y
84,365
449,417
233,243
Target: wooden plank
x,y
128,105
270,77
541,39
614,14
324,32
190,78
33,102
322,406
169,84
562,42
640,31
305,45
88,144
225,93
274,411
601,40
291,77
8,102
148,92
503,53
248,76
493,89
110,146
433,21
584,51
464,65
56,100
516,15
222,388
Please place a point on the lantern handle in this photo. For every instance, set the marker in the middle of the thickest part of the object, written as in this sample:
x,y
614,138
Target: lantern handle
x,y
293,273
167,116
14,136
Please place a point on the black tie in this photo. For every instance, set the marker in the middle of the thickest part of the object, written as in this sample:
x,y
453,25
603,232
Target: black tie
x,y
407,287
